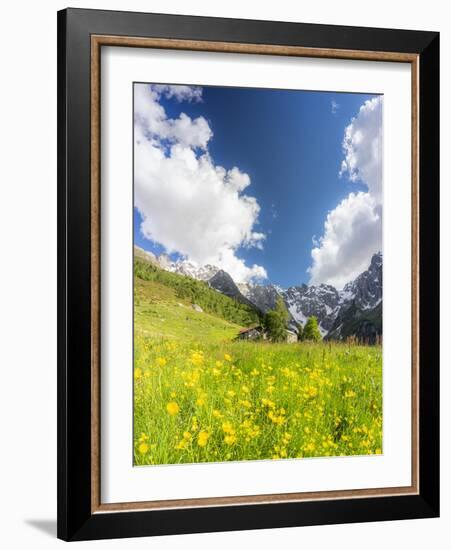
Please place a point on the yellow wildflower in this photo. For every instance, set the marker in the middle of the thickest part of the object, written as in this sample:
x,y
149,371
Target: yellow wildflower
x,y
227,427
194,424
143,448
197,357
172,408
310,391
202,438
138,373
275,418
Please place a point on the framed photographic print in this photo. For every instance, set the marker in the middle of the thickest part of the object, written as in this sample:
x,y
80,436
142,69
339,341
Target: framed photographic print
x,y
248,274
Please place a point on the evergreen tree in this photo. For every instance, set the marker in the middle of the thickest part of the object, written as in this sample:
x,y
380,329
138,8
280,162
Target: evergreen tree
x,y
311,331
276,321
300,331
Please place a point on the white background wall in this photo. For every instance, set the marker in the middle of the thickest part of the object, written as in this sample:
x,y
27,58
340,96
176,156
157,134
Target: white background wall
x,y
28,271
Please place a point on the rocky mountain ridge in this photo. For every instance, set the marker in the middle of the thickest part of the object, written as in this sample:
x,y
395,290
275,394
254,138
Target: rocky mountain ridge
x,y
356,310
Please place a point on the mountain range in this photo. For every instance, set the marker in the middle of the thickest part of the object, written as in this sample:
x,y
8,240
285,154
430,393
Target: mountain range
x,y
354,311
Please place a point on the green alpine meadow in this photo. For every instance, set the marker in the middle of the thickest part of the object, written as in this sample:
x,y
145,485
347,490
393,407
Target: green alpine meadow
x,y
203,395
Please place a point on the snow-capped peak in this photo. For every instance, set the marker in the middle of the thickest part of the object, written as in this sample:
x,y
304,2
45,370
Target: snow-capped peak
x,y
191,269
323,301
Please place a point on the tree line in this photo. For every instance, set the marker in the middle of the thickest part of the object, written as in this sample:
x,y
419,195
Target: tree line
x,y
276,323
198,292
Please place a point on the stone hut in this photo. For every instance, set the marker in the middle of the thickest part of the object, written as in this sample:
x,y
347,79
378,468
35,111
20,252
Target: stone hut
x,y
252,333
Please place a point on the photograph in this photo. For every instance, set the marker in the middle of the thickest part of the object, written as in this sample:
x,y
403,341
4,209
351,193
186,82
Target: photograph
x,y
257,267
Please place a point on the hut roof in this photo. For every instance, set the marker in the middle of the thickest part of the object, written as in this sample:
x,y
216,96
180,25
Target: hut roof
x,y
248,329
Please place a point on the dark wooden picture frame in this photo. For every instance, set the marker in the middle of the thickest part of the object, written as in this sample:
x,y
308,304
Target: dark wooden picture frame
x,y
81,34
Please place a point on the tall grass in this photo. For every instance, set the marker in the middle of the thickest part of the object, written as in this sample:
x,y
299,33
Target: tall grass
x,y
214,400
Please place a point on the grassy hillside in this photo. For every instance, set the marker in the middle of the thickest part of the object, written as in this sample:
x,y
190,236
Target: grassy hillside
x,y
198,292
161,314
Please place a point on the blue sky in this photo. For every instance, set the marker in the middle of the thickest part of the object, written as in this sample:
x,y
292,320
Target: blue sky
x,y
291,145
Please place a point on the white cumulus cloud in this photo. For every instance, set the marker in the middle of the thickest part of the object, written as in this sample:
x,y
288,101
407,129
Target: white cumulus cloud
x,y
151,117
179,92
362,147
188,204
353,230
